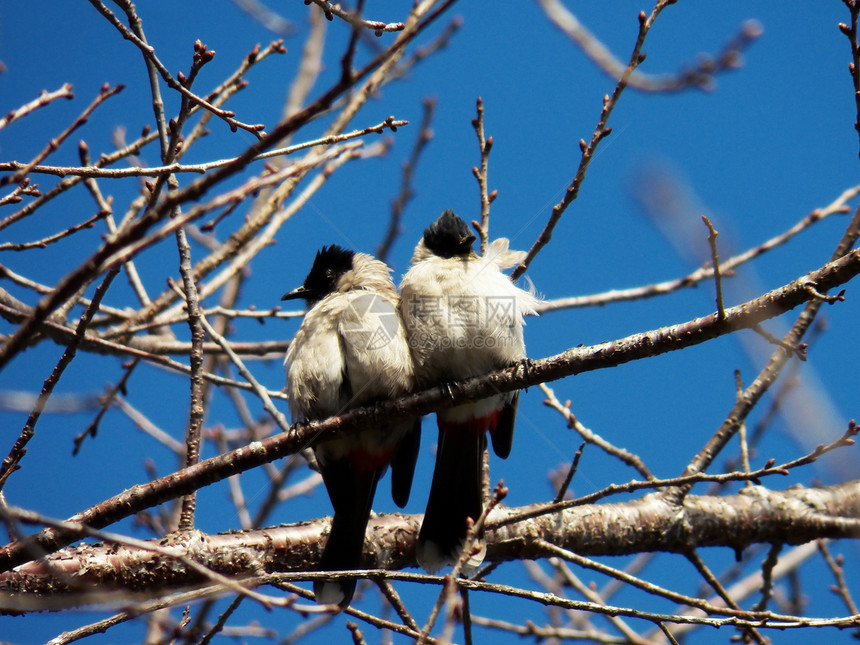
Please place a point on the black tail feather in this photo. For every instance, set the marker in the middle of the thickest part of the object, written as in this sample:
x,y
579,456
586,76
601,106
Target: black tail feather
x,y
503,434
403,464
352,496
455,494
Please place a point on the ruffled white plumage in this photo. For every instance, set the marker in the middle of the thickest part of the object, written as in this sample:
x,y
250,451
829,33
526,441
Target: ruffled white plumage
x,y
463,318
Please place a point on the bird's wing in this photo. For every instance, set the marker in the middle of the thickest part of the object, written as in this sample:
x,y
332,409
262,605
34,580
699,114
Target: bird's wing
x,y
374,347
315,365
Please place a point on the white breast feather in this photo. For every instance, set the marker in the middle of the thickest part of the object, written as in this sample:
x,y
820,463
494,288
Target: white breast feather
x,y
358,335
464,317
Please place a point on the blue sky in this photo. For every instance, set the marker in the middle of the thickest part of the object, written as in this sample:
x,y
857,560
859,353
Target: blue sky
x,y
773,141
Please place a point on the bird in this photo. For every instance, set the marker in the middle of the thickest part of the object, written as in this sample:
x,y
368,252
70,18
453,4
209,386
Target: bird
x,y
463,318
349,351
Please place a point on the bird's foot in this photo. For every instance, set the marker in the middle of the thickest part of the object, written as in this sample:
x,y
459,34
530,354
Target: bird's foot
x,y
523,367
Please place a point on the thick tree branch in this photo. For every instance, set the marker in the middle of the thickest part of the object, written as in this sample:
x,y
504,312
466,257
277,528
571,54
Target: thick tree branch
x,y
794,516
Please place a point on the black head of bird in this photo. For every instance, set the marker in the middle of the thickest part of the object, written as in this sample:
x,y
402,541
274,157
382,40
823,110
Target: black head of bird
x,y
449,236
330,263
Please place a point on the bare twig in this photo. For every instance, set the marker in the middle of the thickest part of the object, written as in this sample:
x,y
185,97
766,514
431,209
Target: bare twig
x,y
841,587
713,581
767,568
715,262
830,300
542,633
799,351
107,401
590,594
742,433
44,98
854,65
140,346
71,182
632,460
667,633
149,54
12,460
480,172
44,242
330,10
218,627
393,597
310,66
789,563
196,403
160,171
146,426
628,579
601,131
838,206
421,53
423,15
276,414
24,188
562,490
105,93
225,90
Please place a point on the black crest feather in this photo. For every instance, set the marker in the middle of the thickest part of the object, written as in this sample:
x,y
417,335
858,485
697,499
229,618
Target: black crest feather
x,y
330,263
449,236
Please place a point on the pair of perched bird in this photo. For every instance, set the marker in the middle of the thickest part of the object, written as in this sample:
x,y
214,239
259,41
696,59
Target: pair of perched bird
x,y
457,316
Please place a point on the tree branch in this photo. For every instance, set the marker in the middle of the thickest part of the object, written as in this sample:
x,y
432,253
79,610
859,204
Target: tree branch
x,y
795,516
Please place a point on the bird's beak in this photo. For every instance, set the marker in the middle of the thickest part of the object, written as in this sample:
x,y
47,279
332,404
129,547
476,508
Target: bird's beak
x,y
466,243
301,292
